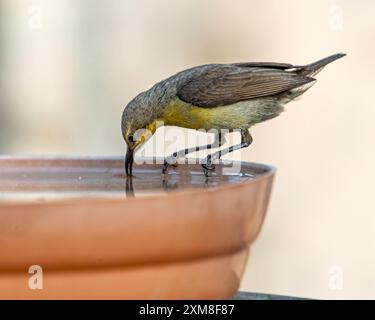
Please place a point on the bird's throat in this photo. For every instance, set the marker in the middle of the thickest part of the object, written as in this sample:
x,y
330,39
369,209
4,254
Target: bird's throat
x,y
182,114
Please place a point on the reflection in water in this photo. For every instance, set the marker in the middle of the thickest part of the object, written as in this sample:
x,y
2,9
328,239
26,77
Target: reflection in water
x,y
172,182
169,184
129,189
107,179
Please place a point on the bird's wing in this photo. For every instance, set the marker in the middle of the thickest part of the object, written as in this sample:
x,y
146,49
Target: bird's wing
x,y
221,85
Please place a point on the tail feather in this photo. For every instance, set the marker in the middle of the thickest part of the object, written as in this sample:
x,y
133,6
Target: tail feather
x,y
313,68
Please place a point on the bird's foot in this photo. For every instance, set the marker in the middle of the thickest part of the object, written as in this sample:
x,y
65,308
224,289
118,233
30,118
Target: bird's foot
x,y
169,161
208,166
207,169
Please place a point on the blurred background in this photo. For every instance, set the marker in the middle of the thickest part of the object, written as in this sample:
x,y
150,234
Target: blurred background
x,y
68,68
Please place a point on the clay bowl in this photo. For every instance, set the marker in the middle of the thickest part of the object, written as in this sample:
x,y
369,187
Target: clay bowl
x,y
97,235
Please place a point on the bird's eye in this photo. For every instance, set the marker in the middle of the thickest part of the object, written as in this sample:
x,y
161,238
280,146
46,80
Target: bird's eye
x,y
131,138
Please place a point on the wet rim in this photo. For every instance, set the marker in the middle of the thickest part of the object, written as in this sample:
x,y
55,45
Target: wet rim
x,y
268,172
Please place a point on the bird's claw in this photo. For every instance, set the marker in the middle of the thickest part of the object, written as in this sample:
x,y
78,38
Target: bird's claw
x,y
165,167
170,161
208,167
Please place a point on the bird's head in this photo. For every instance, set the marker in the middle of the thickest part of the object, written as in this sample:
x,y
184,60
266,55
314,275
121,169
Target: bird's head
x,y
136,130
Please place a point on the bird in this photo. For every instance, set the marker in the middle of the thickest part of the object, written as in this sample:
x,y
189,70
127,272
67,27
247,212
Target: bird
x,y
230,96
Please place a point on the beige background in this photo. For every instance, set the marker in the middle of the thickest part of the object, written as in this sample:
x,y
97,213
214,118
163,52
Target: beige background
x,y
69,67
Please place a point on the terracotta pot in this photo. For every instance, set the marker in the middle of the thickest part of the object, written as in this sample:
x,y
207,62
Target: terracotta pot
x,y
96,234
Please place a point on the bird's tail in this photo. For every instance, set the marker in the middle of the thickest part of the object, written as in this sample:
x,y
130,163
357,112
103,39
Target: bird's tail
x,y
313,68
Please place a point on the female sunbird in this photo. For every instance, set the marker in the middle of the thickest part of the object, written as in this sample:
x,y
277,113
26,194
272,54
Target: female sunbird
x,y
216,96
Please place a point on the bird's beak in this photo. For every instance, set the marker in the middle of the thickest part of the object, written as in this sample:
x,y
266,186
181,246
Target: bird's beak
x,y
129,159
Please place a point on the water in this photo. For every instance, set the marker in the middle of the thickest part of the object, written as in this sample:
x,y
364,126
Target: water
x,y
43,180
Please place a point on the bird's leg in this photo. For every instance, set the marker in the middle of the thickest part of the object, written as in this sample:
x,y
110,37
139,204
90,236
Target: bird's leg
x,y
172,159
207,164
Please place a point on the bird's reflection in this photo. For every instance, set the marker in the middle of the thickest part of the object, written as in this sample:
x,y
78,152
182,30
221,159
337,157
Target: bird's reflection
x,y
169,183
166,185
129,189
